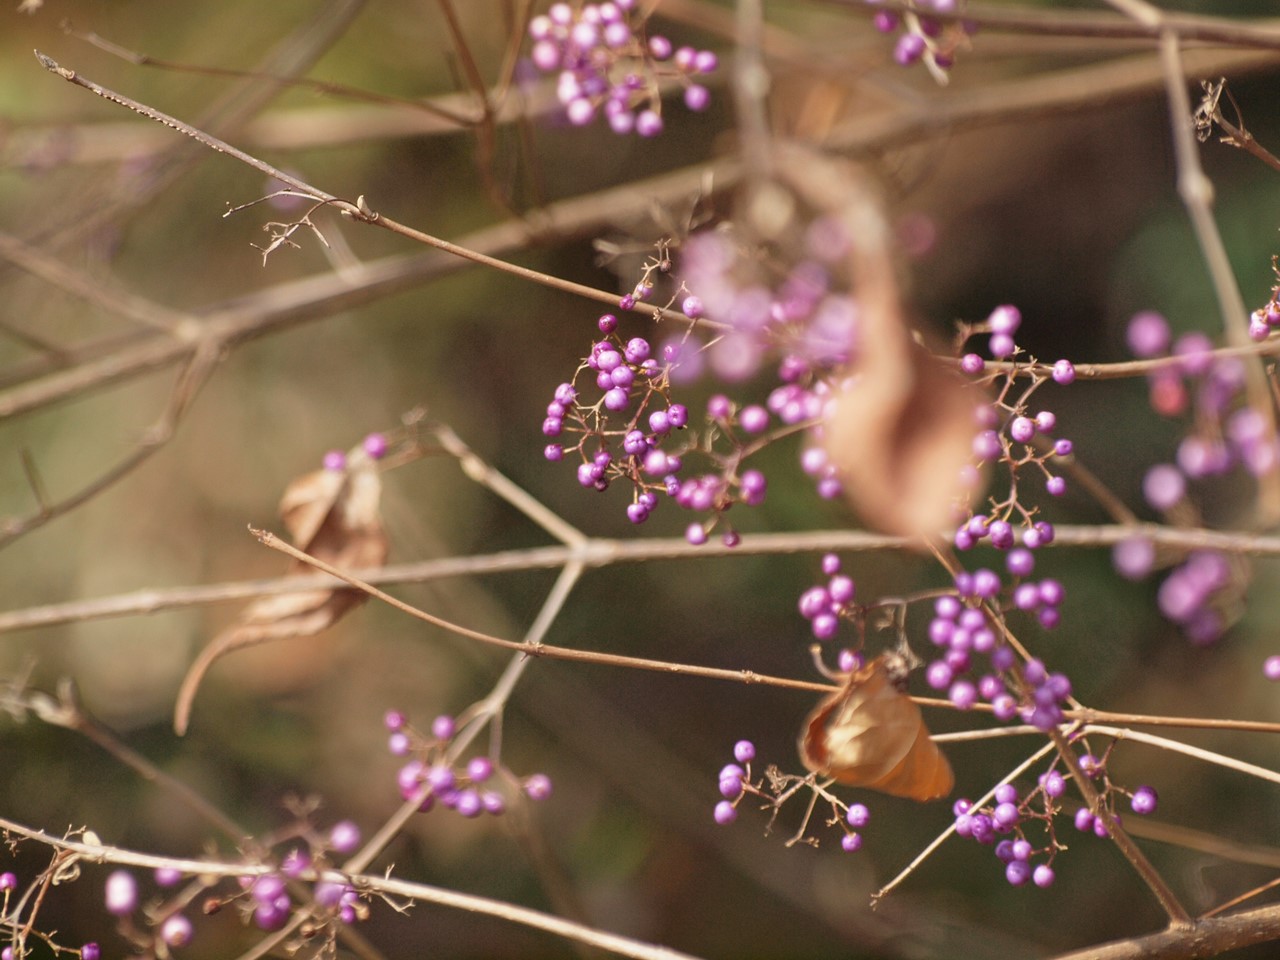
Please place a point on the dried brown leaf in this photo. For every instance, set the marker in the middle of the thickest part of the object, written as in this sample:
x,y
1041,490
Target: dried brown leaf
x,y
902,428
334,516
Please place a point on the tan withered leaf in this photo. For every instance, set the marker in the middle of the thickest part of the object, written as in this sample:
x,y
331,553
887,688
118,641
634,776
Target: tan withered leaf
x,y
870,734
903,425
332,515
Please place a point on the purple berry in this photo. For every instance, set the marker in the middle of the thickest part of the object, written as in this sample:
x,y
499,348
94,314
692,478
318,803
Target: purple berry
x,y
375,446
725,813
344,836
537,786
1143,801
1064,372
121,893
1270,670
744,751
1148,335
1017,873
90,951
443,727
1043,876
754,419
176,931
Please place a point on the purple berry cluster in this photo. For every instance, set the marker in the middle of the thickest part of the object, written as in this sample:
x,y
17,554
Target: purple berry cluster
x,y
607,65
1010,433
735,783
800,315
1004,825
1204,591
1005,822
962,629
265,899
735,779
923,38
632,432
825,605
1225,432
430,776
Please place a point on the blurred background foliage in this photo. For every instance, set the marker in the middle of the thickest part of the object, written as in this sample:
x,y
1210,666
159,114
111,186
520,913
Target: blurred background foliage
x,y
1072,216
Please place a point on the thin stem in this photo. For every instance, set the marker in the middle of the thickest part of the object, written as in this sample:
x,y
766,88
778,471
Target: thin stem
x,y
375,883
1178,916
1196,191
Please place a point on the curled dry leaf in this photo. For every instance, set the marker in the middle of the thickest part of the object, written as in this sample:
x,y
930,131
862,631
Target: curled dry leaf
x,y
334,516
870,734
903,424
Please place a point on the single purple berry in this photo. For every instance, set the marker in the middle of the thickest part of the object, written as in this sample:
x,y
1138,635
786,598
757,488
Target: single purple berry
x,y
607,323
375,445
537,786
1134,557
1148,335
1043,876
121,894
697,98
851,842
1017,873
295,863
167,876
553,452
1001,345
648,124
1143,801
1064,372
678,415
176,931
1006,815
468,803
1022,429
1270,670
335,461
1005,319
744,751
842,589
442,727
8,881
857,816
344,836
1164,486
479,769
725,813
972,364
754,419
267,888
90,951
963,694
1006,793
1056,486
